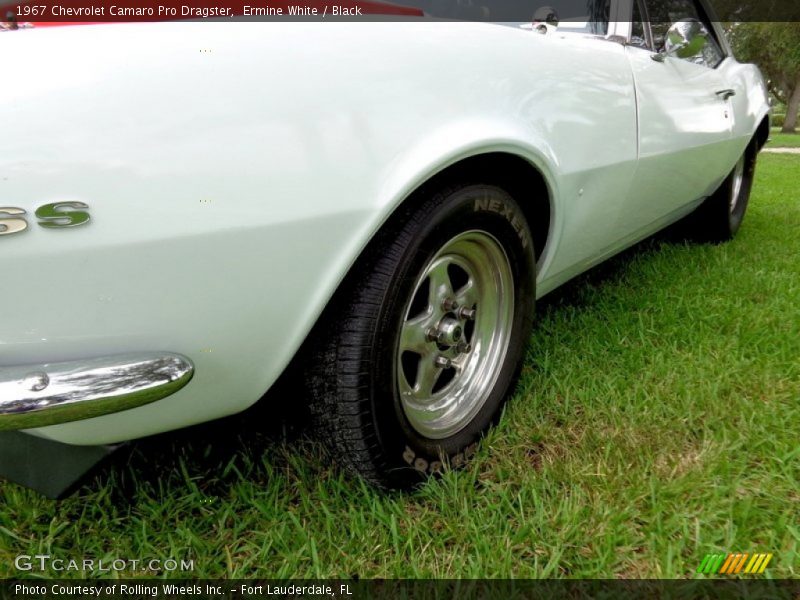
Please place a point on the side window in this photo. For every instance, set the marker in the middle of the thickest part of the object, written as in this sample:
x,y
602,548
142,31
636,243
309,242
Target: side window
x,y
638,34
663,13
599,13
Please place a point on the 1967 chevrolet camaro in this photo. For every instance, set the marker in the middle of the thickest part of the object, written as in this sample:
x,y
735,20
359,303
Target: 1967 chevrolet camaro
x,y
185,207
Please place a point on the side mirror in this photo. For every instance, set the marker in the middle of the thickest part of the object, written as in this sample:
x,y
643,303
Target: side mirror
x,y
545,20
685,39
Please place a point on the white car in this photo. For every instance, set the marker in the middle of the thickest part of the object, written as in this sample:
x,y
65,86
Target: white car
x,y
186,208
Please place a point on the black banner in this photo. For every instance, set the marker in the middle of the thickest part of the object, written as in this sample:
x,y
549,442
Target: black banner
x,y
152,589
500,11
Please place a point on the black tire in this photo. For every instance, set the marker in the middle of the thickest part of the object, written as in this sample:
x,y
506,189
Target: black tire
x,y
720,216
355,367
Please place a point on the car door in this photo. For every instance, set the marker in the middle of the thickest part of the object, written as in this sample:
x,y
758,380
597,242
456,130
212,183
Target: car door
x,y
684,115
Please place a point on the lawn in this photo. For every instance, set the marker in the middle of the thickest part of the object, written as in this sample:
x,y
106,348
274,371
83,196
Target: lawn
x,y
784,140
657,420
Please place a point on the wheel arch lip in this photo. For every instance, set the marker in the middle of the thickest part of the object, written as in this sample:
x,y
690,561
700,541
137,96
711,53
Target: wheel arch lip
x,y
447,148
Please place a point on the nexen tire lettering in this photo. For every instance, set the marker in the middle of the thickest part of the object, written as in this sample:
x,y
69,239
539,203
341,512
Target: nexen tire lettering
x,y
434,467
495,205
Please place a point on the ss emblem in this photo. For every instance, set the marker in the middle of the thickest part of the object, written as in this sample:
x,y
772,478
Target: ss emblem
x,y
52,216
13,225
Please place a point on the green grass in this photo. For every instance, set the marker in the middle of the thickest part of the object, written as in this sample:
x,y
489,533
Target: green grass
x,y
784,140
656,420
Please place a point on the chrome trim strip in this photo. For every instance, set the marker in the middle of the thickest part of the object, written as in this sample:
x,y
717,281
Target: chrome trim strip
x,y
48,394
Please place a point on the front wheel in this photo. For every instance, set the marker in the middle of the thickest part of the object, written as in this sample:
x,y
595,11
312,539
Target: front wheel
x,y
425,340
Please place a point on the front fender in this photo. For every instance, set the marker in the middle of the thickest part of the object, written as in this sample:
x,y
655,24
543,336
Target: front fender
x,y
234,175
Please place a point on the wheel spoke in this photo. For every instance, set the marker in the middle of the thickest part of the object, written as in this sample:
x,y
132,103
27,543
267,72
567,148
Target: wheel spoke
x,y
413,337
427,376
440,286
467,295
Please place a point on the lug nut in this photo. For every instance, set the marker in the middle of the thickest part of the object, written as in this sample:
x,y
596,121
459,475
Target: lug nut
x,y
464,347
467,313
450,304
443,362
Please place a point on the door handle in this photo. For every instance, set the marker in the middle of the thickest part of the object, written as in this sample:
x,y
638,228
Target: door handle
x,y
725,94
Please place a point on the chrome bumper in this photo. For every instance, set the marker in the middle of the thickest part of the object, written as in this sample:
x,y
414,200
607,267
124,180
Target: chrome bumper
x,y
48,394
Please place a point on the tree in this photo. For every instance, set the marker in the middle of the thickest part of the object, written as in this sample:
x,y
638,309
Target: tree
x,y
775,47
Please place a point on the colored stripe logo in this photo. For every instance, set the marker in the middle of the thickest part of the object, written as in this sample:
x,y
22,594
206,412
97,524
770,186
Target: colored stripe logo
x,y
734,563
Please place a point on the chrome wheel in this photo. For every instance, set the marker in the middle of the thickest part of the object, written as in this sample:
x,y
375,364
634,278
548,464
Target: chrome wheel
x,y
455,334
736,184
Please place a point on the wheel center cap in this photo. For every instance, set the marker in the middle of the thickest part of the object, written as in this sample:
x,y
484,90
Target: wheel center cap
x,y
449,332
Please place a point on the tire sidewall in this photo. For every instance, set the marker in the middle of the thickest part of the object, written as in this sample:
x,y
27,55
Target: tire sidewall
x,y
736,216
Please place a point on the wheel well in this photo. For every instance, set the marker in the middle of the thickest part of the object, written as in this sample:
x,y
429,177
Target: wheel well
x,y
515,175
762,133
